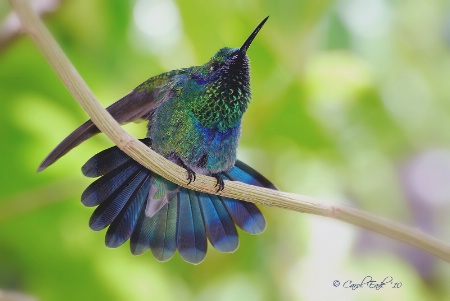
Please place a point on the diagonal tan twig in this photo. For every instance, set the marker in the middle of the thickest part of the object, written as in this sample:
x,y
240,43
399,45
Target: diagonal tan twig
x,y
148,158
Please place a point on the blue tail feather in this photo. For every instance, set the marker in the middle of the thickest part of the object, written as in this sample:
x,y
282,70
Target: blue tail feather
x,y
108,210
164,243
122,227
108,185
220,228
243,173
143,233
185,223
246,215
106,161
191,240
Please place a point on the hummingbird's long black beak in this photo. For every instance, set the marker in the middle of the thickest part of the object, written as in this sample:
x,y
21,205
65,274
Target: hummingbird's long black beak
x,y
249,40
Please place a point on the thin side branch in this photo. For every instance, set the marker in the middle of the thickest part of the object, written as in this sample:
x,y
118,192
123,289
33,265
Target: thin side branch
x,y
153,161
10,28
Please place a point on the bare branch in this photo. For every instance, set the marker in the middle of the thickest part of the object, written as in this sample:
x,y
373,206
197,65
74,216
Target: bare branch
x,y
153,161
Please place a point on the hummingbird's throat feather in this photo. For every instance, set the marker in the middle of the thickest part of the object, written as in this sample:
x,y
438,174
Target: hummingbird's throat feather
x,y
226,98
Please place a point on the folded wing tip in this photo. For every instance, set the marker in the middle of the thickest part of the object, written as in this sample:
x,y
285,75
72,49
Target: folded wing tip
x,y
44,164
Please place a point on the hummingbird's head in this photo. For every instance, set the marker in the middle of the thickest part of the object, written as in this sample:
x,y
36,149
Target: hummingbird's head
x,y
227,90
229,69
230,66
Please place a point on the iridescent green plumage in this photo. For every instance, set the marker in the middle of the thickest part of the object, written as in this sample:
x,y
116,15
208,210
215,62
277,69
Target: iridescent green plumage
x,y
198,119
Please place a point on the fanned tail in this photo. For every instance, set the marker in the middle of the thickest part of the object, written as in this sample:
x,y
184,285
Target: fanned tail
x,y
156,214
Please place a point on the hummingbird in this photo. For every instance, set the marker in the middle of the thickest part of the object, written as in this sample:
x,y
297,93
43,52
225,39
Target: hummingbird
x,y
194,119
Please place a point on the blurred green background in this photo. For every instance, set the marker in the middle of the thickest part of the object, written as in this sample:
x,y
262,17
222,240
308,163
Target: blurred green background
x,y
350,103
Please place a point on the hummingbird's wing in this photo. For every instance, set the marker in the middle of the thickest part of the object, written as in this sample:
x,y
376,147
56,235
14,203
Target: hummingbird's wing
x,y
185,222
138,104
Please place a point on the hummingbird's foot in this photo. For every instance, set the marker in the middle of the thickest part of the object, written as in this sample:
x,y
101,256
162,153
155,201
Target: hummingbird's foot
x,y
190,173
220,184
